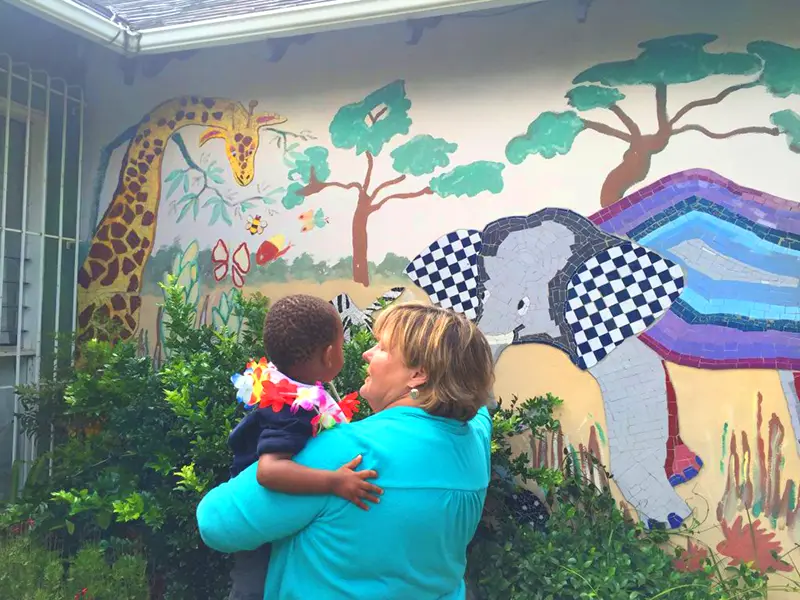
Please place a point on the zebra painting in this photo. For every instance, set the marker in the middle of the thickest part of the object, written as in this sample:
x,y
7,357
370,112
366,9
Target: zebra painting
x,y
353,317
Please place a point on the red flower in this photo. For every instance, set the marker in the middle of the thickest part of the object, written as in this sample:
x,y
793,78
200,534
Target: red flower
x,y
278,395
349,405
751,545
691,559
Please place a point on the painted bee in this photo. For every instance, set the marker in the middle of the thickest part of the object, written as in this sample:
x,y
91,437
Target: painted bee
x,y
255,226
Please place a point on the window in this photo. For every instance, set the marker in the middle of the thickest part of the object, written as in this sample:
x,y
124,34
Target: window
x,y
41,120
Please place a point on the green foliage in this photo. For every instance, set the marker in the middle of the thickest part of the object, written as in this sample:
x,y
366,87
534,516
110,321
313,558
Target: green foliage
x,y
422,155
354,372
788,122
470,180
370,124
587,97
781,72
548,135
669,60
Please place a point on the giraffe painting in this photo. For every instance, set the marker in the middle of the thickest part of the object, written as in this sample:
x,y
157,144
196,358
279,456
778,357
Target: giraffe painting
x,y
110,280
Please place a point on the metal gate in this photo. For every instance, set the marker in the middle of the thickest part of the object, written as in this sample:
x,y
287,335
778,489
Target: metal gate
x,y
41,143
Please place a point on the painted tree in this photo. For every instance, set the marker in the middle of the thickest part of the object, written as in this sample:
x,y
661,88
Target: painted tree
x,y
367,127
662,62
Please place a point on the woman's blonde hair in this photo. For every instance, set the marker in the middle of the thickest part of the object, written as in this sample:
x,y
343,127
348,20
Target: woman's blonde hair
x,y
449,349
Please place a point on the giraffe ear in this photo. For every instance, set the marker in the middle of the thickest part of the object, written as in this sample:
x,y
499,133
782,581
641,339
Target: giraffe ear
x,y
269,118
211,134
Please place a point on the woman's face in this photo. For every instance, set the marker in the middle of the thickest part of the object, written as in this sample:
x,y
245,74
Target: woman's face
x,y
388,378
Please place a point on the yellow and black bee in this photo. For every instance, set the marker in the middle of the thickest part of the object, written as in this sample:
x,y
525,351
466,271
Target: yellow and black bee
x,y
255,226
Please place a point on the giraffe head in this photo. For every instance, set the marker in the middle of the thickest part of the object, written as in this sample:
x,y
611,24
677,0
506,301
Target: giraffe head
x,y
240,133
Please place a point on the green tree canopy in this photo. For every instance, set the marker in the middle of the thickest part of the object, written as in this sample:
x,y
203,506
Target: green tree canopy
x,y
370,124
316,158
781,72
587,97
422,155
674,59
788,122
548,135
470,180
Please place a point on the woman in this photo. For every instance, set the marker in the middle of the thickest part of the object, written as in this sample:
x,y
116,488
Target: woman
x,y
428,380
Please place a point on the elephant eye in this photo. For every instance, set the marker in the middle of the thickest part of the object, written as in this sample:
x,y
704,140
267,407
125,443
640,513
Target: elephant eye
x,y
523,305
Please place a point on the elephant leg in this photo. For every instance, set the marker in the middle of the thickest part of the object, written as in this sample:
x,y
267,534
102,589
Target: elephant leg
x,y
631,380
790,380
681,464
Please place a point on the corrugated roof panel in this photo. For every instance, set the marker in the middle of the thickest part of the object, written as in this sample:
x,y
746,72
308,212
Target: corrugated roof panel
x,y
147,14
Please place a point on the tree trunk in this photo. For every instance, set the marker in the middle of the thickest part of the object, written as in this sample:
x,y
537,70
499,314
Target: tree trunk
x,y
360,264
634,167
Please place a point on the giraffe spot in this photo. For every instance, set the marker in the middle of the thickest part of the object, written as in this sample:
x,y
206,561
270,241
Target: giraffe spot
x,y
102,312
127,266
208,102
145,243
146,119
102,233
118,302
158,142
85,316
133,284
83,278
180,115
139,257
195,100
116,210
217,115
191,115
139,209
238,137
100,251
132,172
131,322
111,273
150,158
148,218
146,144
127,215
146,133
171,124
118,230
136,302
97,269
134,186
157,151
247,140
184,101
129,198
241,148
144,167
142,179
137,139
119,246
204,117
162,122
133,239
141,154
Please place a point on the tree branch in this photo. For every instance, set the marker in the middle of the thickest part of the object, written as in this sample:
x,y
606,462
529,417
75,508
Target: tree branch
x,y
661,107
374,118
314,185
385,185
404,196
711,101
774,131
368,176
629,123
607,130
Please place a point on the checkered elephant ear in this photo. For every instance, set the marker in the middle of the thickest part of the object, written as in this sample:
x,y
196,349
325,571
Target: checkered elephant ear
x,y
448,271
618,294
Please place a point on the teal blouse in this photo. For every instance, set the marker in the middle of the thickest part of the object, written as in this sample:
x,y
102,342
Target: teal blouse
x,y
412,545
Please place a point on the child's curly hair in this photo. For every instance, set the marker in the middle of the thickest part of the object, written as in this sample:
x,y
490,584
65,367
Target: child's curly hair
x,y
296,327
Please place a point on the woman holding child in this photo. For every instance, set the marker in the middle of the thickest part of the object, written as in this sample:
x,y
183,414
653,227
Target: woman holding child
x,y
426,447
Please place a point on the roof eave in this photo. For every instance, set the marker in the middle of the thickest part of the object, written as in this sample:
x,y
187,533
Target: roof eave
x,y
338,14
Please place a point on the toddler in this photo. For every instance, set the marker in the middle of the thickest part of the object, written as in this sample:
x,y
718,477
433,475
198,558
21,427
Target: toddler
x,y
303,338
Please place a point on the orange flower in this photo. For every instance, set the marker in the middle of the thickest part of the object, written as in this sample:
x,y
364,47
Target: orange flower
x,y
277,395
349,405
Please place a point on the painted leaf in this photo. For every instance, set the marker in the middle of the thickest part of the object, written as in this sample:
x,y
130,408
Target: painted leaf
x,y
781,72
669,60
370,124
215,214
224,213
215,178
186,183
470,180
548,135
587,97
422,155
241,258
176,182
173,175
292,197
788,122
184,211
315,157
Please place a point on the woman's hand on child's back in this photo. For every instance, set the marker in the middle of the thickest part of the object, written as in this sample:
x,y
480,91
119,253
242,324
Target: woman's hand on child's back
x,y
352,485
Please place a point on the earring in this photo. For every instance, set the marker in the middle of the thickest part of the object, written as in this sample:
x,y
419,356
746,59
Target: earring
x,y
414,393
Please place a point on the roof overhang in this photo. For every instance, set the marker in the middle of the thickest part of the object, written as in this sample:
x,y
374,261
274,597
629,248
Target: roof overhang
x,y
299,20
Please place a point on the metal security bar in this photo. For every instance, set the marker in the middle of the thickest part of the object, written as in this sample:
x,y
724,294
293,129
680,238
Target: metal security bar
x,y
41,145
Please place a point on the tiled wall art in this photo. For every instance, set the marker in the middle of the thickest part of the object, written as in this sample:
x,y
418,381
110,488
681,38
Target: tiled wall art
x,y
622,291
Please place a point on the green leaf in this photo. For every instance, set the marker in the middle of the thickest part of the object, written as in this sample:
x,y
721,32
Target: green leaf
x,y
370,124
216,178
315,157
186,182
781,72
292,197
195,208
548,135
587,97
470,180
422,155
267,200
224,213
103,519
187,198
184,211
173,175
788,122
176,182
215,214
70,527
246,205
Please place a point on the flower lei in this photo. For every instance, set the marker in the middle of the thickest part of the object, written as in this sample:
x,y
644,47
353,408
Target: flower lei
x,y
256,388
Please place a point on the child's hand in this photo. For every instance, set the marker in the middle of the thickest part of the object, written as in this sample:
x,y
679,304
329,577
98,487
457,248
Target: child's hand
x,y
352,485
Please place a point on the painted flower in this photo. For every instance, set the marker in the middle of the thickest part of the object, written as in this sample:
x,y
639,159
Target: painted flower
x,y
323,420
349,405
278,395
751,544
692,559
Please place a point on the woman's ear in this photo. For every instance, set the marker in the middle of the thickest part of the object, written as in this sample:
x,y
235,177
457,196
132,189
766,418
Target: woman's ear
x,y
418,378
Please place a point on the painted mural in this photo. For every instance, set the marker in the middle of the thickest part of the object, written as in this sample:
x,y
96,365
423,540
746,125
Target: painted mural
x,y
662,302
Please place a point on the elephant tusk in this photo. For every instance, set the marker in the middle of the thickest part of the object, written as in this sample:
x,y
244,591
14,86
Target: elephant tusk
x,y
503,339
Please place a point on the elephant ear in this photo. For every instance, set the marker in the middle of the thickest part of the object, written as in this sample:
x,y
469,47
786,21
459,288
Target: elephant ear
x,y
616,295
448,271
